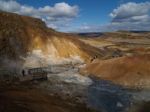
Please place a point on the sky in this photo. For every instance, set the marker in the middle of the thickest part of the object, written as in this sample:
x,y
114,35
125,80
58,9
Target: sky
x,y
85,15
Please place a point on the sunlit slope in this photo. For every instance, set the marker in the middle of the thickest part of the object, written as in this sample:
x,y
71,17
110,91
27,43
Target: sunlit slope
x,y
21,36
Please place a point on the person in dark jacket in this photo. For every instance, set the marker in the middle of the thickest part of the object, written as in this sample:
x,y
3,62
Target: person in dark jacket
x,y
23,72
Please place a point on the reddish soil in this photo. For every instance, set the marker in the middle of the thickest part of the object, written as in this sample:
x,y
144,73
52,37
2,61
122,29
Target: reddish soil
x,y
133,71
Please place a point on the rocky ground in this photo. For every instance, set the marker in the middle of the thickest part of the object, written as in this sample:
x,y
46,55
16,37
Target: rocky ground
x,y
68,91
26,98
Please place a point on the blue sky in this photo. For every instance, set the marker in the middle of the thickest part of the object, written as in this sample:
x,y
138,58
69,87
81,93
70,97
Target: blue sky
x,y
85,15
91,12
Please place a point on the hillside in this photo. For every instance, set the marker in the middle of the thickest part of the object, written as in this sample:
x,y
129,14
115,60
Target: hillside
x,y
120,43
126,35
28,39
132,71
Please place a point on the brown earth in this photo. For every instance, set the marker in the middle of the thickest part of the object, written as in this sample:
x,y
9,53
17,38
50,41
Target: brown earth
x,y
25,98
22,34
131,71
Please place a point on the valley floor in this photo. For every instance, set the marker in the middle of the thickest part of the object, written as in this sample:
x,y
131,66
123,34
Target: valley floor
x,y
68,91
26,98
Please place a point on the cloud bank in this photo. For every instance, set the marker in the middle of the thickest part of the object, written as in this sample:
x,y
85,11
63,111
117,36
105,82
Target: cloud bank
x,y
128,16
131,12
56,16
131,16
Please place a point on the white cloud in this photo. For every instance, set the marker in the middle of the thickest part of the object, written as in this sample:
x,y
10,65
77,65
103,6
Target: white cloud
x,y
11,6
55,16
131,11
131,16
60,10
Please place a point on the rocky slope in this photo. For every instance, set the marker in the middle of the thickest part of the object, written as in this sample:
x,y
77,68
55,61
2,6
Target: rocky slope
x,y
28,39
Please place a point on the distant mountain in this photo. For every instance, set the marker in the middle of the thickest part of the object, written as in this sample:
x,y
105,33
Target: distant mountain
x,y
134,31
127,35
91,34
117,34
